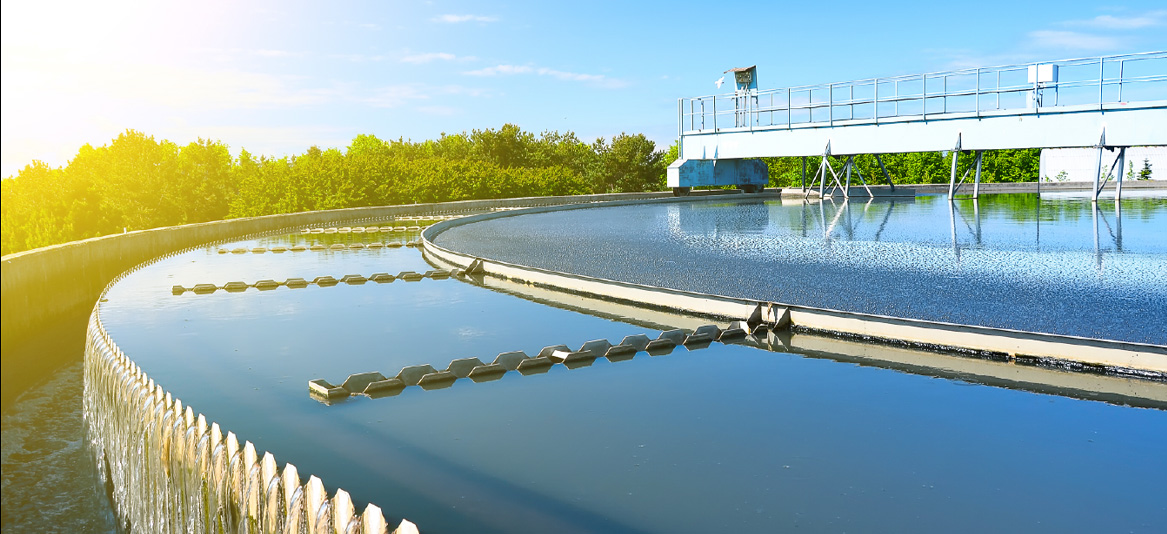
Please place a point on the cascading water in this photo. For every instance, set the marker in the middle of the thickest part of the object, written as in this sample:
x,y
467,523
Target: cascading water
x,y
168,470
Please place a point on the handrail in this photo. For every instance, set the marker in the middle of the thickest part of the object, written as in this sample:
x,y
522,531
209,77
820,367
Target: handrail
x,y
996,90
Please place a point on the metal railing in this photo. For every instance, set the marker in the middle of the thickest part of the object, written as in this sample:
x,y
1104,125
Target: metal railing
x,y
1006,89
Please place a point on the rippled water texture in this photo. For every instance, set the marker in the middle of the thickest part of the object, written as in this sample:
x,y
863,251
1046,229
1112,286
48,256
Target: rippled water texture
x,y
1020,261
50,482
725,439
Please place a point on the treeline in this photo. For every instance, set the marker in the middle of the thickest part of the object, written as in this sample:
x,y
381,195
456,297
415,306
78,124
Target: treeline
x,y
915,167
137,183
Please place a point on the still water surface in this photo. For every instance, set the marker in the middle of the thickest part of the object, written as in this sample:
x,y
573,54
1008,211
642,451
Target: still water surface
x,y
726,439
1052,263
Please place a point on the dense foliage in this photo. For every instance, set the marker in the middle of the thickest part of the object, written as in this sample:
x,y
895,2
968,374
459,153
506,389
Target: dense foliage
x,y
136,182
915,167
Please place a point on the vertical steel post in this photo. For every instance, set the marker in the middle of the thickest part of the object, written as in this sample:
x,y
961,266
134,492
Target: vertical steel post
x,y
875,104
886,176
1101,74
978,104
851,101
831,104
804,173
1120,67
924,96
789,104
977,183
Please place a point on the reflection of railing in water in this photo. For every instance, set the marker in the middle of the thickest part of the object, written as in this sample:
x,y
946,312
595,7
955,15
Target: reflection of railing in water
x,y
1115,232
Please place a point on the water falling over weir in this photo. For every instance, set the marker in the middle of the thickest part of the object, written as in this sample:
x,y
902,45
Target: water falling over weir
x,y
169,470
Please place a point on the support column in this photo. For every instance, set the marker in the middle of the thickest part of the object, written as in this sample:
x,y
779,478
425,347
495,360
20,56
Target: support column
x,y
804,173
955,160
890,186
977,183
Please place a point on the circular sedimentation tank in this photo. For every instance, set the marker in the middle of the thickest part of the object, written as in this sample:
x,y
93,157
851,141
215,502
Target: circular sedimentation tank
x,y
466,402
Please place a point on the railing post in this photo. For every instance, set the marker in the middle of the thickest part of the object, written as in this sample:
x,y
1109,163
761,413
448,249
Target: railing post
x,y
978,94
714,113
1101,73
875,104
831,104
924,96
789,104
851,101
944,92
1121,63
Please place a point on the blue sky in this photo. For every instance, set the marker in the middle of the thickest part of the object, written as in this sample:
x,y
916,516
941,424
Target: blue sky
x,y
278,77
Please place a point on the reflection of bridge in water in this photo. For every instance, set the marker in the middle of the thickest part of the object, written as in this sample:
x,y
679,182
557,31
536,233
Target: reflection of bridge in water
x,y
1109,103
866,219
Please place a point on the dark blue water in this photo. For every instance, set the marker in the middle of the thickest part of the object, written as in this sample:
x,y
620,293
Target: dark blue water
x,y
724,439
1047,264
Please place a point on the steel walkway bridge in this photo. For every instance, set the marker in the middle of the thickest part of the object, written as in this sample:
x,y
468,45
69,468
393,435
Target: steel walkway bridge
x,y
1109,102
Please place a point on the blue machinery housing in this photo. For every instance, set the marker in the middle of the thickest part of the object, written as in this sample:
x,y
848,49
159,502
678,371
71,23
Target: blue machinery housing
x,y
1109,102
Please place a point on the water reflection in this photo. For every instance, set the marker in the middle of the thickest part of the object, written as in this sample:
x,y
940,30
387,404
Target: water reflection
x,y
1017,261
615,448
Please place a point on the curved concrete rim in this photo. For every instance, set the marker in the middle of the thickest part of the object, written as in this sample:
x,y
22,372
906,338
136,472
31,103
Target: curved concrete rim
x,y
1071,352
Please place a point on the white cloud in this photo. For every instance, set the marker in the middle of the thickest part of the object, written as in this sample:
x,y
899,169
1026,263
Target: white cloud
x,y
499,69
1071,40
435,56
593,79
1136,22
392,96
454,19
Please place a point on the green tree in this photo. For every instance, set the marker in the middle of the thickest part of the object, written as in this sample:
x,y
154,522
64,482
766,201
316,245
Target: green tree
x,y
630,163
